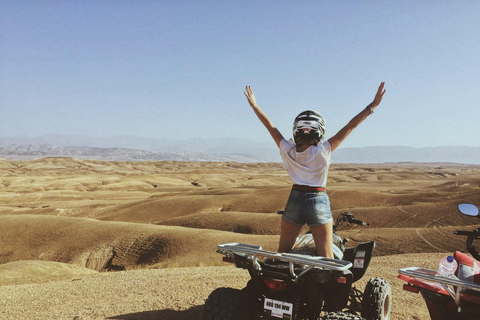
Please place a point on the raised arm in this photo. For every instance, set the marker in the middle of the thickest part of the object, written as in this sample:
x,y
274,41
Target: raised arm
x,y
276,135
337,139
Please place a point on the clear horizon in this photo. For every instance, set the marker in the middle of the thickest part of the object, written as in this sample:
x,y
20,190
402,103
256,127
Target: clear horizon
x,y
177,70
202,138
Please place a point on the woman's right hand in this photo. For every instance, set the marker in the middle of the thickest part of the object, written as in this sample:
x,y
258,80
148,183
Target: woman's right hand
x,y
250,97
276,135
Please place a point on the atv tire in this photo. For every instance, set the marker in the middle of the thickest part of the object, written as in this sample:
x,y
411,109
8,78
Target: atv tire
x,y
224,304
377,300
340,316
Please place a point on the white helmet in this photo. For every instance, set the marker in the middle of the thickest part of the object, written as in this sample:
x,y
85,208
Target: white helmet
x,y
308,128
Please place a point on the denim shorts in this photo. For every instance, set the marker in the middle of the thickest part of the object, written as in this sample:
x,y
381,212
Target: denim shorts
x,y
312,208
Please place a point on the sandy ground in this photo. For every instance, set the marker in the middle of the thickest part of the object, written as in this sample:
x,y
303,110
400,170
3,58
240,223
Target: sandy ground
x,y
63,220
175,293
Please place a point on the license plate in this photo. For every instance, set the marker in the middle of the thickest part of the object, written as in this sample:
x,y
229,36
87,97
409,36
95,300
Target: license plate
x,y
278,309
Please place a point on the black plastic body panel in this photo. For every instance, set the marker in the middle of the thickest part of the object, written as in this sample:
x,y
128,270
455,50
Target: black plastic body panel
x,y
363,254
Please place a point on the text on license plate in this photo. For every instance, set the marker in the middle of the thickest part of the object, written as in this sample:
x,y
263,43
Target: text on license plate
x,y
279,309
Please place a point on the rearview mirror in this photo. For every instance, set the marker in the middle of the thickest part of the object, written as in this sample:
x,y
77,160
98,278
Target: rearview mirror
x,y
468,209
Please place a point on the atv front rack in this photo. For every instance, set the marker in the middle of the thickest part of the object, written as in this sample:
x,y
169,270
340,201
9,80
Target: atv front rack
x,y
255,253
447,283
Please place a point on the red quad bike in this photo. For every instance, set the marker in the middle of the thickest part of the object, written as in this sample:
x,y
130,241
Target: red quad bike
x,y
451,298
299,285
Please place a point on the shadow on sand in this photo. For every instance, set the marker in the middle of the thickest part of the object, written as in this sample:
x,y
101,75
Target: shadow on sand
x,y
193,313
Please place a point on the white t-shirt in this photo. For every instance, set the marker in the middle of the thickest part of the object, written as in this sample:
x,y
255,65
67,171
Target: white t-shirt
x,y
309,167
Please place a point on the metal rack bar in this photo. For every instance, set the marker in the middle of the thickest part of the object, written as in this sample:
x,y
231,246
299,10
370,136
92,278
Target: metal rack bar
x,y
304,260
430,275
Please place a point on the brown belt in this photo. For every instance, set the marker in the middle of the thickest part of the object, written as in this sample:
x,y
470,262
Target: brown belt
x,y
308,188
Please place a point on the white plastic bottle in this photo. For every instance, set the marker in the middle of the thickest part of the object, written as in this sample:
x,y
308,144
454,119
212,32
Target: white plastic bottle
x,y
447,267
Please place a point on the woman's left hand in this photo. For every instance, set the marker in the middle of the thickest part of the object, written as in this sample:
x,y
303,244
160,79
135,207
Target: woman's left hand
x,y
378,96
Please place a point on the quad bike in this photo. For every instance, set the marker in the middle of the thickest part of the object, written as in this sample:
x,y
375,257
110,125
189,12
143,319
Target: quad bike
x,y
299,285
452,298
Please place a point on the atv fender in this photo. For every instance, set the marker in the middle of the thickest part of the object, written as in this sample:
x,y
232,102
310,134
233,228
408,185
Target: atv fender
x,y
360,257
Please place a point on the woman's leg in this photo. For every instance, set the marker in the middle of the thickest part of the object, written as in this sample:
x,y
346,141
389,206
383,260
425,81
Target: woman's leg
x,y
323,236
288,234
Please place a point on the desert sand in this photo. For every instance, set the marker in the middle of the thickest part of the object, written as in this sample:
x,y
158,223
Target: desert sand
x,y
87,239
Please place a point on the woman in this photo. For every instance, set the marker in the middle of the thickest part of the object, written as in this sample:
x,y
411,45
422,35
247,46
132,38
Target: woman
x,y
307,160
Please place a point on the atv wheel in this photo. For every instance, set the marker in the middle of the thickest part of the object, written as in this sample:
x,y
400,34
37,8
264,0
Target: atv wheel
x,y
377,300
340,316
224,304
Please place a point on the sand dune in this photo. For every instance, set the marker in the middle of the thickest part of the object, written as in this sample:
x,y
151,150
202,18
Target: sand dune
x,y
100,245
135,215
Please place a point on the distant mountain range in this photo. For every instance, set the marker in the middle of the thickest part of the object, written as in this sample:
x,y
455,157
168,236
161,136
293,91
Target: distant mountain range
x,y
34,151
128,148
140,148
454,154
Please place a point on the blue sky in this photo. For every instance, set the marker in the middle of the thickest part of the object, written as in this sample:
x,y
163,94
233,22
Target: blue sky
x,y
177,69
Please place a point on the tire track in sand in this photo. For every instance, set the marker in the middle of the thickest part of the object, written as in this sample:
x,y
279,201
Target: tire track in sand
x,y
417,231
411,214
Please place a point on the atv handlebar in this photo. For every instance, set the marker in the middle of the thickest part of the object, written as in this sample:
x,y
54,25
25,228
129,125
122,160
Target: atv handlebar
x,y
471,236
463,233
359,222
349,218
